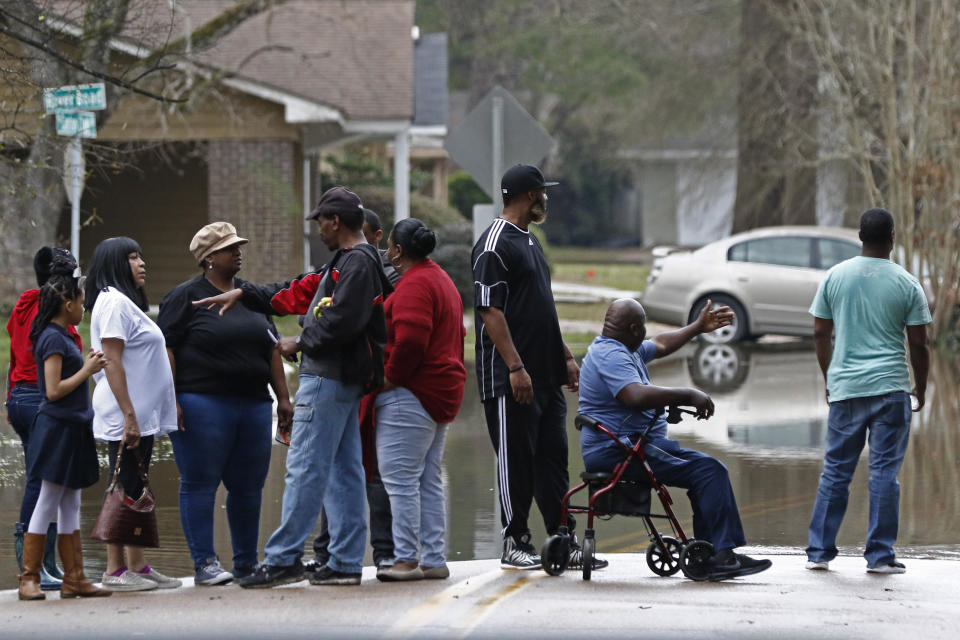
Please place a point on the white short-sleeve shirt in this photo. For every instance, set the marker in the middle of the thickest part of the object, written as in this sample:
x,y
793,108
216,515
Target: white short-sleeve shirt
x,y
145,361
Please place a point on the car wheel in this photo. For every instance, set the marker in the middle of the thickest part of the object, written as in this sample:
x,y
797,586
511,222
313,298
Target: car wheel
x,y
732,333
718,367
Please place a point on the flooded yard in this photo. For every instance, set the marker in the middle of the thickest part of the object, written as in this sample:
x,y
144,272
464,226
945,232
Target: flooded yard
x,y
769,430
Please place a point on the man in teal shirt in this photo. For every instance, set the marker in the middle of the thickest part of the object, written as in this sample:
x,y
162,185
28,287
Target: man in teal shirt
x,y
867,301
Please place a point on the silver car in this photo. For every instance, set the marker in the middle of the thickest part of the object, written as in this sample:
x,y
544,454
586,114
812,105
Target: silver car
x,y
767,276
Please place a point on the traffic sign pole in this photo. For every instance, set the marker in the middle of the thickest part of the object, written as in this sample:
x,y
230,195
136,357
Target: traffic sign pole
x,y
497,132
73,106
74,171
496,156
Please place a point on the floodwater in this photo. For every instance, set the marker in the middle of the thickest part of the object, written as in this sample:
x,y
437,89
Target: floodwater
x,y
769,430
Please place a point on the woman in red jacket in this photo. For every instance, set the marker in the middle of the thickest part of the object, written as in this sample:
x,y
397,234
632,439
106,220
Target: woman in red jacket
x,y
422,393
23,402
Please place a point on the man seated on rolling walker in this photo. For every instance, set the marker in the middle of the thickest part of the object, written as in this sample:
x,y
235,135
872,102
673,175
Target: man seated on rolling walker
x,y
615,390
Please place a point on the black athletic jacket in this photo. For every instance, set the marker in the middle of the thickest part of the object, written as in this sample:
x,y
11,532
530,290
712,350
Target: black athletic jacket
x,y
345,340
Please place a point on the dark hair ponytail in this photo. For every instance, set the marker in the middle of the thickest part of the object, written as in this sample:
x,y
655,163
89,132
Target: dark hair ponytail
x,y
60,287
417,240
41,264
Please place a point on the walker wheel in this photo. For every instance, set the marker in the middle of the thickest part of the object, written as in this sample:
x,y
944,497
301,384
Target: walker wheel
x,y
693,559
589,551
664,563
555,554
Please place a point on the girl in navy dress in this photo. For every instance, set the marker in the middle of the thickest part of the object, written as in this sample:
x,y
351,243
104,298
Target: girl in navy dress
x,y
62,451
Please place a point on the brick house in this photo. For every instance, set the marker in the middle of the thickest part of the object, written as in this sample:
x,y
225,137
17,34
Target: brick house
x,y
291,85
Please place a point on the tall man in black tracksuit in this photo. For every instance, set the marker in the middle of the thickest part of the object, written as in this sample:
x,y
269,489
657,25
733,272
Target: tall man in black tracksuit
x,y
344,333
522,363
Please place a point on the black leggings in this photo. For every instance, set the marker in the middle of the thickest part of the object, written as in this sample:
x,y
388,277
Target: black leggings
x,y
129,473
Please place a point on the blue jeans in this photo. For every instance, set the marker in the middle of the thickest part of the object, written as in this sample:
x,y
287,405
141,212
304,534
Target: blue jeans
x,y
884,422
324,470
226,439
22,409
410,455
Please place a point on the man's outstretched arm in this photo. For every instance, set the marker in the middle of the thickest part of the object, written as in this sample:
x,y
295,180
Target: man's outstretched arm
x,y
709,320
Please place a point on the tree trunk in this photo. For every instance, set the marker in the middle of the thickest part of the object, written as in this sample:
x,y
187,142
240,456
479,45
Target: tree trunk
x,y
32,196
778,131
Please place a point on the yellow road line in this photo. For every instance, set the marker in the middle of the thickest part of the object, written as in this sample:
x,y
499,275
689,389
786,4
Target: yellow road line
x,y
433,606
485,606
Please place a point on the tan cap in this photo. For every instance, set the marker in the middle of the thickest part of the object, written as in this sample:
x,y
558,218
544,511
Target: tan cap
x,y
213,237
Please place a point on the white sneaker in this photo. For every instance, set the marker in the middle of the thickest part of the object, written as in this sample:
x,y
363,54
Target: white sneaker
x,y
162,581
127,581
519,554
818,566
890,567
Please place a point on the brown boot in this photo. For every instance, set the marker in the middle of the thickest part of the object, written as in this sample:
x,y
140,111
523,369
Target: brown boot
x,y
32,560
75,584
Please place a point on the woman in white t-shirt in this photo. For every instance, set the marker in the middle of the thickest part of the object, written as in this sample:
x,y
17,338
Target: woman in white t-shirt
x,y
134,396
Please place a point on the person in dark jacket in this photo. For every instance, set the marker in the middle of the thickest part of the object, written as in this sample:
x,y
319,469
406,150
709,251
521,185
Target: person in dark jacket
x,y
378,502
344,334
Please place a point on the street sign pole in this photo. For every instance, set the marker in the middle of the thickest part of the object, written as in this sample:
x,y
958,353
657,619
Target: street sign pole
x,y
497,133
73,173
73,106
497,154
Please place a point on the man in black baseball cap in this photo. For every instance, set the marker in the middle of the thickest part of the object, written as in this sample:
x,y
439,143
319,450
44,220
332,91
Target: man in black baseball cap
x,y
522,367
342,343
521,178
524,195
337,201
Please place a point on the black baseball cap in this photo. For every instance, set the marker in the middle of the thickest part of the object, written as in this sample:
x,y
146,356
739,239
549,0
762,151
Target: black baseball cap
x,y
337,200
521,178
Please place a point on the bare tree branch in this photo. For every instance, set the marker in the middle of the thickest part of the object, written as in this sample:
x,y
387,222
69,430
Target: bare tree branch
x,y
79,66
209,33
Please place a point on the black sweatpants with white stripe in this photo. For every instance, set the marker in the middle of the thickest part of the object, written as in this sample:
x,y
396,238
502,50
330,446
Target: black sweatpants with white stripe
x,y
530,441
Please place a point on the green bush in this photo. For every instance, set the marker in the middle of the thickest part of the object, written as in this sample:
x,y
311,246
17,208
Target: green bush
x,y
434,214
464,193
454,233
454,245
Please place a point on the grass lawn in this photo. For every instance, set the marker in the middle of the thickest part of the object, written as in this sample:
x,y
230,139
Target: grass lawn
x,y
589,311
632,277
599,255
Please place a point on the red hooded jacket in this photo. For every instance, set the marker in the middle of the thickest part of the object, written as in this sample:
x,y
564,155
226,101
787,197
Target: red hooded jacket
x,y
22,366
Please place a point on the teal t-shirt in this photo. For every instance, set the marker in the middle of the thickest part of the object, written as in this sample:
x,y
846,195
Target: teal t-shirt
x,y
871,301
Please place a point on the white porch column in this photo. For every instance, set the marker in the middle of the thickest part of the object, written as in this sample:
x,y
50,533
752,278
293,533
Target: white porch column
x,y
401,176
307,208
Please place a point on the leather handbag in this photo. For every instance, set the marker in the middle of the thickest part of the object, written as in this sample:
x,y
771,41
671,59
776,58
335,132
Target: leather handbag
x,y
122,519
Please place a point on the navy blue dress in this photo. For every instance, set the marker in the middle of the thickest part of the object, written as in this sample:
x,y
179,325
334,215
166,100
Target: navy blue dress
x,y
62,449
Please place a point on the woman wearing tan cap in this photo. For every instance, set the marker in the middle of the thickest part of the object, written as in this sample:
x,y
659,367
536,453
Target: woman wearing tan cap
x,y
222,366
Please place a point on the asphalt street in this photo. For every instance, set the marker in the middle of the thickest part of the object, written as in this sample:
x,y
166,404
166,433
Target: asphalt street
x,y
480,600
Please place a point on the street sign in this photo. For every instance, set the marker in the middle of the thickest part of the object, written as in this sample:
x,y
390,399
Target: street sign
x,y
77,123
497,121
85,97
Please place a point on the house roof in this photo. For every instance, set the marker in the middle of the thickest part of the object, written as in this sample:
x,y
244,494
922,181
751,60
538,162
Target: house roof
x,y
355,56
